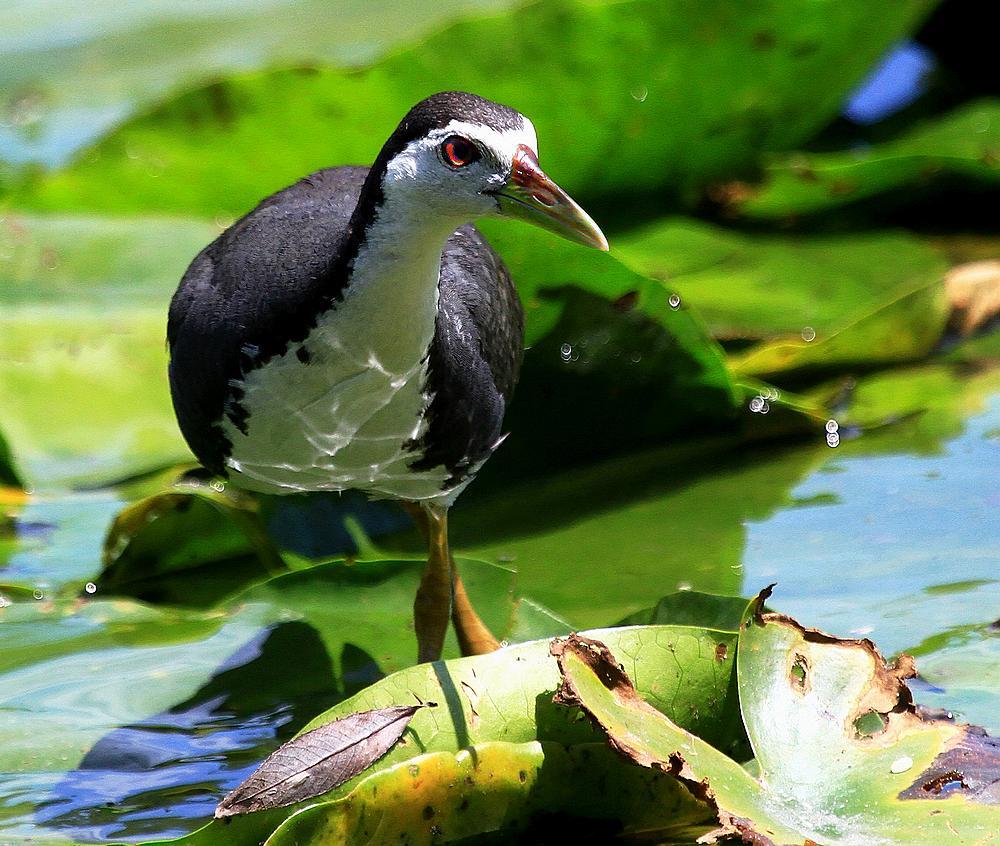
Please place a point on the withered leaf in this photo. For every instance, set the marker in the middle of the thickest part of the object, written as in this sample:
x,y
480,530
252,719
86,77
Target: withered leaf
x,y
319,760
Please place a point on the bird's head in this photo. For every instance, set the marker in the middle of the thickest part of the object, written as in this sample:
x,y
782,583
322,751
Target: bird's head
x,y
460,157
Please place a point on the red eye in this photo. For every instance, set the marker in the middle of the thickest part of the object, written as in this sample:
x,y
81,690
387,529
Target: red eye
x,y
459,151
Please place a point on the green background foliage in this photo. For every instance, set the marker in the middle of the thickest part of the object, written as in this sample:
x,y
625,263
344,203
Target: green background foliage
x,y
774,266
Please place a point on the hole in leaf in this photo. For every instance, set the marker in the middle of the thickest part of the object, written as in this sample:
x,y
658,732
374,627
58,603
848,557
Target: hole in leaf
x,y
799,672
946,783
870,724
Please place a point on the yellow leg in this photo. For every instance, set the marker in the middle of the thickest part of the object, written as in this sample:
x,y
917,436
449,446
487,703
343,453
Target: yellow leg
x,y
442,595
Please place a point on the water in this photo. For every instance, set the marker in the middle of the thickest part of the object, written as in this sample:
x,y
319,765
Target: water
x,y
133,721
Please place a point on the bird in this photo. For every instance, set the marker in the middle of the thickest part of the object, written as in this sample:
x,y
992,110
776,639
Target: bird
x,y
355,331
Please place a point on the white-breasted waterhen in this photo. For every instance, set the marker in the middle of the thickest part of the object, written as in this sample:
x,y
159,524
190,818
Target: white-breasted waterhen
x,y
355,331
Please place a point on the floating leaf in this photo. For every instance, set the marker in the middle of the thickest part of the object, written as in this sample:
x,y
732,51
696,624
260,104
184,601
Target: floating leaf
x,y
500,788
319,760
93,326
918,408
692,608
191,545
836,739
82,316
900,331
844,752
965,143
65,92
506,696
670,78
764,285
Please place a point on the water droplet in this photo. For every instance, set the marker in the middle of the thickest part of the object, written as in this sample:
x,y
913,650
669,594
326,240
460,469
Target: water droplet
x,y
636,357
566,351
639,93
90,587
675,301
832,426
765,407
808,334
756,404
684,586
38,594
217,485
901,765
833,439
4,601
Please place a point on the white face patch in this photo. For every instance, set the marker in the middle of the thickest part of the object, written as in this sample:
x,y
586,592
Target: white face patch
x,y
419,173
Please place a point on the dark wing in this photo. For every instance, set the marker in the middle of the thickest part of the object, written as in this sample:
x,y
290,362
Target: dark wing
x,y
250,293
475,357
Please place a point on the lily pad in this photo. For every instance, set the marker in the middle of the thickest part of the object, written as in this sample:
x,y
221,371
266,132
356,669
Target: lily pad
x,y
763,285
965,143
191,545
507,696
692,608
90,330
918,409
899,331
843,756
661,76
56,102
82,357
499,789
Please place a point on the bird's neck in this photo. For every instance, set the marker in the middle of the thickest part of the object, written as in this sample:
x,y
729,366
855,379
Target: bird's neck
x,y
395,261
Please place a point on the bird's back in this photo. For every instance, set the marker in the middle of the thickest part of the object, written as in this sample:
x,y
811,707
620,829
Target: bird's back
x,y
260,287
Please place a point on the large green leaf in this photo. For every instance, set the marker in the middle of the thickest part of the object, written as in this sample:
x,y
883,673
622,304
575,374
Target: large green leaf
x,y
70,72
919,408
843,756
507,696
191,545
82,356
636,96
900,330
765,285
965,143
499,788
842,750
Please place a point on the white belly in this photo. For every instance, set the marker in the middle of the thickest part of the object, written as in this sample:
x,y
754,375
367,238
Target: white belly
x,y
348,417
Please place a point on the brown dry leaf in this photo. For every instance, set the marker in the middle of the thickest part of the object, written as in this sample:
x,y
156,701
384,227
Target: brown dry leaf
x,y
974,294
320,760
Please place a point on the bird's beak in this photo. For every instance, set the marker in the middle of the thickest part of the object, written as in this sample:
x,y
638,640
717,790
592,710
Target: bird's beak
x,y
530,195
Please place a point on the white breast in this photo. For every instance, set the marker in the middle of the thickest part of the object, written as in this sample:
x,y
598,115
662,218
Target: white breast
x,y
345,419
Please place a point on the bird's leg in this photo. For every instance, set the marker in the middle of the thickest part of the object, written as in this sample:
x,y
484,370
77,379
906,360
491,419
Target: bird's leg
x,y
473,636
433,606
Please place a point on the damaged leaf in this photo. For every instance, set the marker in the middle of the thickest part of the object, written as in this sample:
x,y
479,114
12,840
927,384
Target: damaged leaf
x,y
843,756
903,782
675,667
499,788
593,680
319,760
